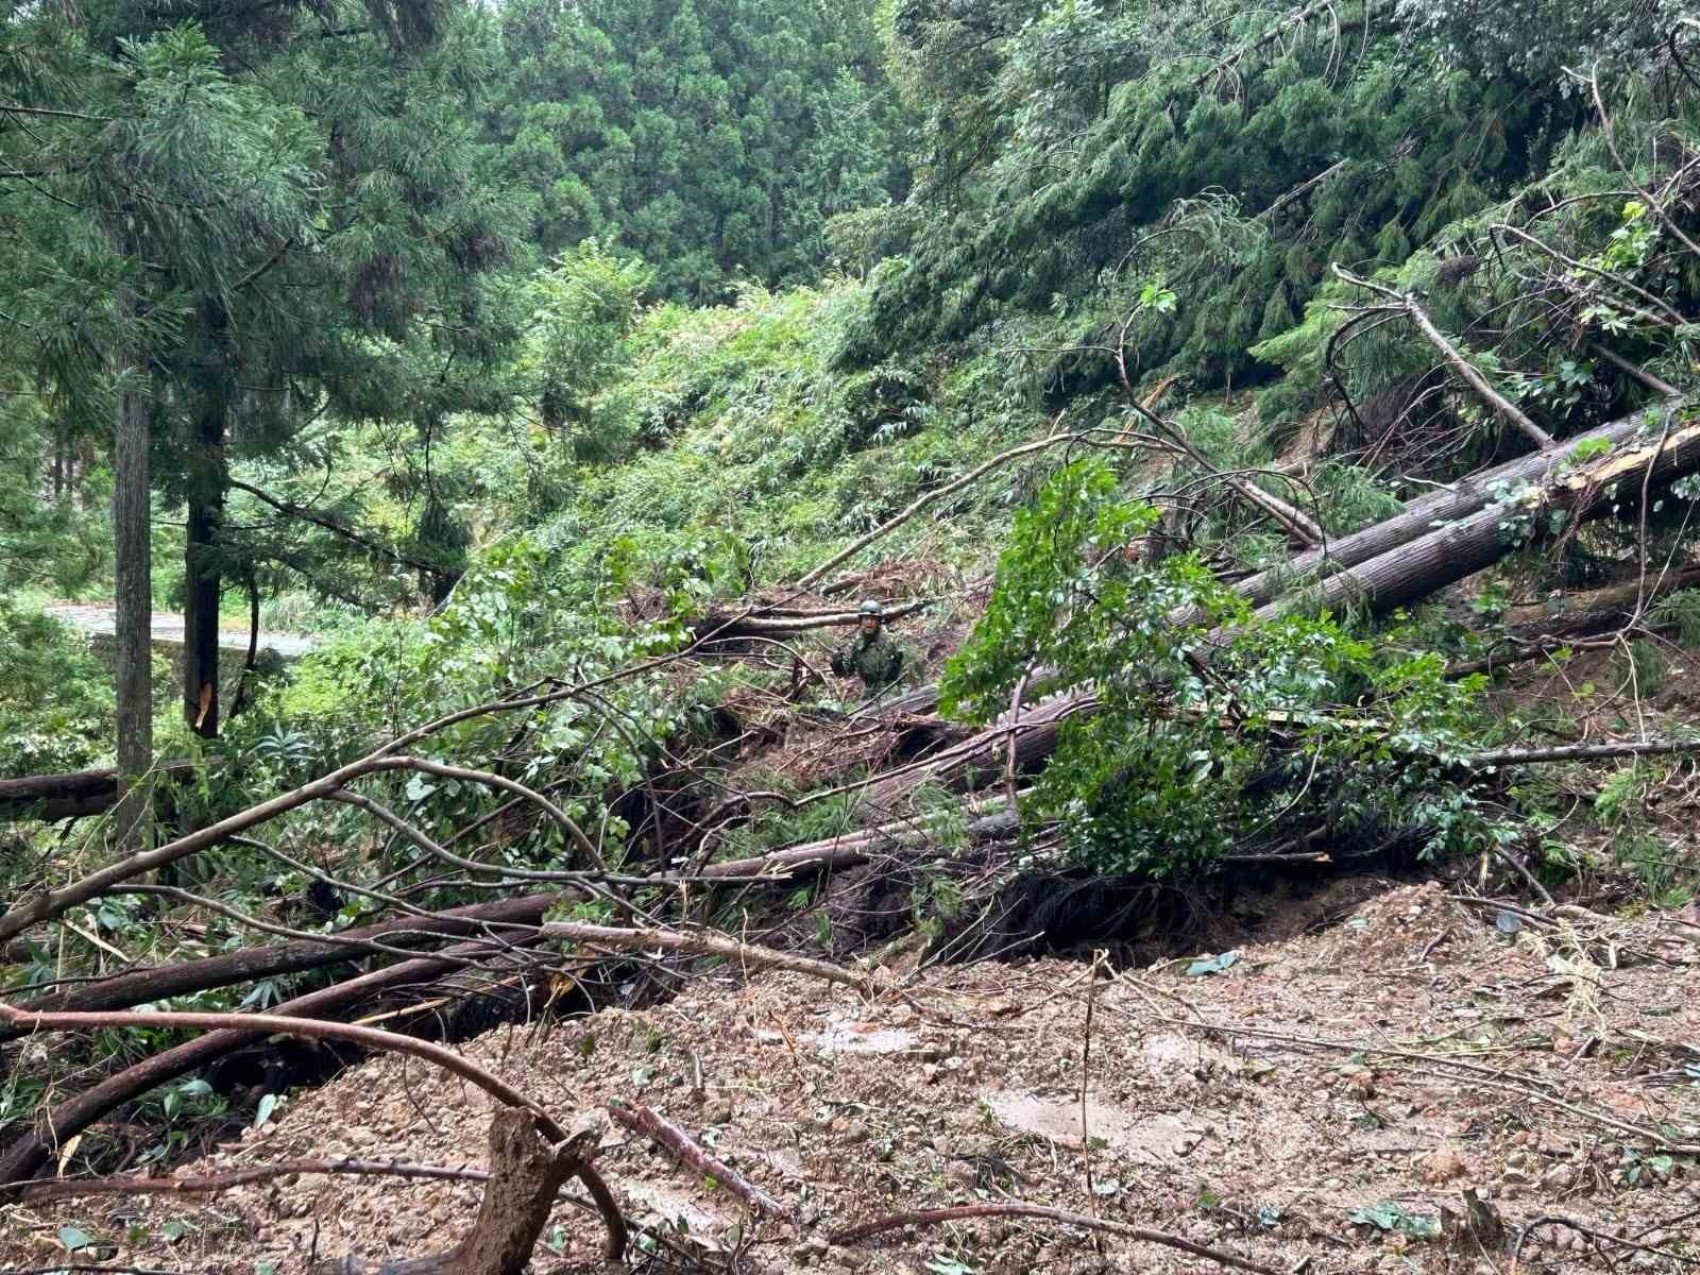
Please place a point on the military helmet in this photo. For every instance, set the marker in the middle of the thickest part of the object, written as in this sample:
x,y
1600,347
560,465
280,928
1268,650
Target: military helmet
x,y
871,607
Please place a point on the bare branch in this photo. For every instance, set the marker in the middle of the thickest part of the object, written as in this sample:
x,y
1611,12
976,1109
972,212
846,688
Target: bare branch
x,y
1508,410
1014,1208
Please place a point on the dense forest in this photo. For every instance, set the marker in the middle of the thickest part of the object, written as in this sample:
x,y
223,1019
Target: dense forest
x,y
512,513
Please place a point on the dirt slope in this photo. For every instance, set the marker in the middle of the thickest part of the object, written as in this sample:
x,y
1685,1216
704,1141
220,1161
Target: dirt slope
x,y
1539,1068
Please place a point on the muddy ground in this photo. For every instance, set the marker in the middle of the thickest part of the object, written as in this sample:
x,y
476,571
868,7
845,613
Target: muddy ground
x,y
1326,1099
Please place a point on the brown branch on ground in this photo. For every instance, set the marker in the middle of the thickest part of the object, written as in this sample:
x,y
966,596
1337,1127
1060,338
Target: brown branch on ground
x,y
135,987
965,1212
704,943
1599,1237
33,1149
366,1037
1582,752
667,1135
216,1183
44,905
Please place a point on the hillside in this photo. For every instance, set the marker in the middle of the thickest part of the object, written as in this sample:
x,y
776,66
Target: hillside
x,y
1325,1098
952,509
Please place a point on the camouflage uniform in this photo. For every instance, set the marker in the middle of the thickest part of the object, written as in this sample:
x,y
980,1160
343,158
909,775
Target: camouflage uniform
x,y
873,657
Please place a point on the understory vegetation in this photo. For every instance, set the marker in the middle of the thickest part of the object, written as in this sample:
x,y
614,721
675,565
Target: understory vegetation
x,y
569,373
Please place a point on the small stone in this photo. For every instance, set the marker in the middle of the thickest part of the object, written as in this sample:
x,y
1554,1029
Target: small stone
x,y
1443,1164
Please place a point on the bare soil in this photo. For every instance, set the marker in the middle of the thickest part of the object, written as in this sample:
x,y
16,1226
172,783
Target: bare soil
x,y
1327,1097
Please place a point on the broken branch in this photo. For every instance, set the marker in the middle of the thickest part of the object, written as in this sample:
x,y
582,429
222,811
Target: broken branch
x,y
963,1212
667,1135
1454,360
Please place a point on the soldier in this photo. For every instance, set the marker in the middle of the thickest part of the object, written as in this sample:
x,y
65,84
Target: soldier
x,y
871,655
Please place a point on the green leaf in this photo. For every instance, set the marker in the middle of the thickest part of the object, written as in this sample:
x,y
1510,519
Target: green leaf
x,y
1205,965
268,1104
74,1239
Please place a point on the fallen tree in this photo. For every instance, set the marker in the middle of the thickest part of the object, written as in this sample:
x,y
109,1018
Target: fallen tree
x,y
34,1148
531,1154
1422,516
776,622
73,795
1415,567
245,965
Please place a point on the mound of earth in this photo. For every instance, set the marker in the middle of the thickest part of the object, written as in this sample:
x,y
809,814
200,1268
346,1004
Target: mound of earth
x,y
1328,1099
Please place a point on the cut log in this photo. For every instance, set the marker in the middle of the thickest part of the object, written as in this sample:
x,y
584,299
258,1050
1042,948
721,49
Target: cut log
x,y
74,795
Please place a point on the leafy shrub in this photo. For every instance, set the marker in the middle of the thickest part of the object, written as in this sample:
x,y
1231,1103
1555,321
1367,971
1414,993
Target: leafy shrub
x,y
1210,730
55,695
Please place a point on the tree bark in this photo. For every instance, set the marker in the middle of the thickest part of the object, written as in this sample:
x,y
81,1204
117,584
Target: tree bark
x,y
1459,549
1420,517
71,795
132,532
526,1175
202,581
33,1149
137,987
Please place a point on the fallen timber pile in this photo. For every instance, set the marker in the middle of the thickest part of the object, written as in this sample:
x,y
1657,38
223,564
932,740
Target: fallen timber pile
x,y
1434,542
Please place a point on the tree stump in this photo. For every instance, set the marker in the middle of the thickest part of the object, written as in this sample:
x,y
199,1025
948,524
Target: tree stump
x,y
526,1174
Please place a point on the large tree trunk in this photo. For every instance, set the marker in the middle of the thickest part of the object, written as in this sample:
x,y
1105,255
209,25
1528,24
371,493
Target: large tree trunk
x,y
72,795
200,609
1419,567
132,531
1420,517
206,488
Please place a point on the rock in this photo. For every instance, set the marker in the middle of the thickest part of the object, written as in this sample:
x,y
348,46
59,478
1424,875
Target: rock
x,y
1443,1164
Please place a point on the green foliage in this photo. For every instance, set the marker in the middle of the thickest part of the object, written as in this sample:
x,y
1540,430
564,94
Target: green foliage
x,y
716,138
1210,731
55,696
1680,610
582,310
